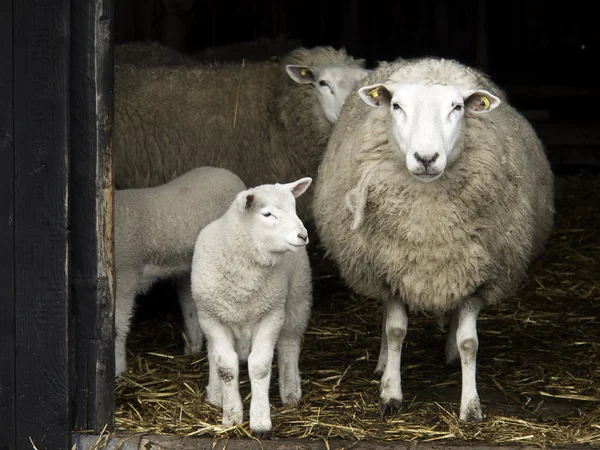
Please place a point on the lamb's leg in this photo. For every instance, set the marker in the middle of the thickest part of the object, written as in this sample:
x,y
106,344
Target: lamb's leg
x,y
288,355
214,389
260,362
297,314
452,354
224,366
382,360
124,303
193,332
468,343
395,326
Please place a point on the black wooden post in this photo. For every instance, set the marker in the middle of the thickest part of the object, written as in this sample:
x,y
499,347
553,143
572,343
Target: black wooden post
x,y
91,195
7,233
41,30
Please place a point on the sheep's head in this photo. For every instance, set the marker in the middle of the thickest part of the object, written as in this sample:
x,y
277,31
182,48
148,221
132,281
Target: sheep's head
x,y
269,214
332,84
427,121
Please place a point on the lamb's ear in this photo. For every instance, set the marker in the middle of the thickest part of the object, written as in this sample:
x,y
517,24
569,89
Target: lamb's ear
x,y
302,74
376,95
245,200
481,101
300,186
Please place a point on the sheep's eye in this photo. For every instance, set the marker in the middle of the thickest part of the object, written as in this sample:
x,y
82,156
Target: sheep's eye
x,y
458,107
323,83
267,214
395,106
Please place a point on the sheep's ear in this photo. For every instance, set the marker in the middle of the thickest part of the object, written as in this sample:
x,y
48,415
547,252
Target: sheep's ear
x,y
375,95
300,186
481,102
245,200
302,74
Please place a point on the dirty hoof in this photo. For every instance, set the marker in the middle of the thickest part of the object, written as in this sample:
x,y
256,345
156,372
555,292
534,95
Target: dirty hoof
x,y
471,413
390,407
262,434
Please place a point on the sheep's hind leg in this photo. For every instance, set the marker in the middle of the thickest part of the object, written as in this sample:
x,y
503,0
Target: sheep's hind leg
x,y
382,360
288,353
468,343
452,354
395,326
194,336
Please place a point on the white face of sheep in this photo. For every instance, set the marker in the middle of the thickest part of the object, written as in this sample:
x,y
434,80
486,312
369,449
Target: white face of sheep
x,y
427,121
332,85
270,213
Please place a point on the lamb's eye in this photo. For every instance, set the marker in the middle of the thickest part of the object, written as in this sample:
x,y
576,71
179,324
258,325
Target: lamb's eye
x,y
395,106
267,214
323,83
458,107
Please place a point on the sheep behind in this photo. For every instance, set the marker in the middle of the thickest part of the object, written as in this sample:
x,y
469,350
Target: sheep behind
x,y
254,121
251,282
442,232
155,232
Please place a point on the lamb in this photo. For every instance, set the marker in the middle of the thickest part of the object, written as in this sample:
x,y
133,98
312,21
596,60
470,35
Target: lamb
x,y
251,282
252,119
448,199
155,232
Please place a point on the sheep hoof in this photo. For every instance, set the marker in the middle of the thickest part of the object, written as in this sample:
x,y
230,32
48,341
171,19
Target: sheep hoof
x,y
390,407
472,413
262,434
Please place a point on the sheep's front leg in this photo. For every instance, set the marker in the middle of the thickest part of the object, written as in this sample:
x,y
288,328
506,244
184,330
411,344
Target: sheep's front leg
x,y
189,311
223,370
382,360
396,325
468,343
260,361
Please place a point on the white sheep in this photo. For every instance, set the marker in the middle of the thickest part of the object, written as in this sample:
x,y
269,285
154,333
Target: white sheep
x,y
155,232
251,282
448,198
252,119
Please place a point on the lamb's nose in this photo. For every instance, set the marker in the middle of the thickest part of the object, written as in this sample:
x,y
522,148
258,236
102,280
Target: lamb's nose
x,y
303,236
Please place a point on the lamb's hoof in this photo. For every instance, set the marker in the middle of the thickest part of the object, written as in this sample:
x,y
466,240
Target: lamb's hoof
x,y
390,407
291,399
262,434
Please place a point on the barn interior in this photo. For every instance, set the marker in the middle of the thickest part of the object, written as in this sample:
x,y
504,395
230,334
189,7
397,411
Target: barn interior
x,y
539,357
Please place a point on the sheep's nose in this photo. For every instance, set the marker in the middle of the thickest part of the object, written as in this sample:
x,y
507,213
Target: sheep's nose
x,y
303,236
426,161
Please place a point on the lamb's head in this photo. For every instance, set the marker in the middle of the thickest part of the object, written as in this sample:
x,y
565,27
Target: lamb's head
x,y
332,84
428,120
268,213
